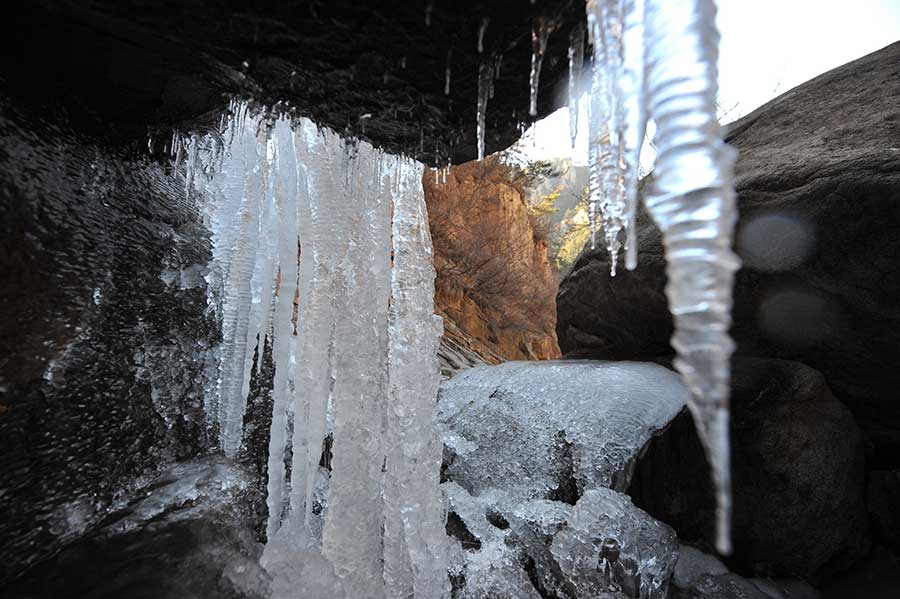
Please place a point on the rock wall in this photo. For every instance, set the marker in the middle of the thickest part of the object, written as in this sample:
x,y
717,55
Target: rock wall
x,y
494,281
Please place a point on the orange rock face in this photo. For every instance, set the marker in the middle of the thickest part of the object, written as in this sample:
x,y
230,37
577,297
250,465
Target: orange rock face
x,y
495,286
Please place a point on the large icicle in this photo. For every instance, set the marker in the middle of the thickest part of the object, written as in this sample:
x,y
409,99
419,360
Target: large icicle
x,y
657,59
352,536
247,184
693,204
416,549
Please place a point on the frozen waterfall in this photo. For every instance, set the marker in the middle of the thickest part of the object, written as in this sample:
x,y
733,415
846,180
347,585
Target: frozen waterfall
x,y
322,246
657,60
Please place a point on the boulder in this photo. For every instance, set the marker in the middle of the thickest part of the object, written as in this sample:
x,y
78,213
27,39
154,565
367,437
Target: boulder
x,y
817,177
552,429
797,470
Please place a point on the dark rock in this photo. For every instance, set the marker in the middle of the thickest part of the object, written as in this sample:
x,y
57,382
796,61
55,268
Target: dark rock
x,y
877,577
817,176
188,534
883,498
104,331
119,68
721,586
797,469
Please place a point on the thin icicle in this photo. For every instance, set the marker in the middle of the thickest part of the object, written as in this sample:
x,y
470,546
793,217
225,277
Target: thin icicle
x,y
607,194
539,34
447,72
481,29
484,83
576,61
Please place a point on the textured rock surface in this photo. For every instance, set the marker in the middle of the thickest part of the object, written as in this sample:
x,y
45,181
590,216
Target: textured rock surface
x,y
883,497
817,176
186,534
600,547
530,451
121,67
797,465
103,331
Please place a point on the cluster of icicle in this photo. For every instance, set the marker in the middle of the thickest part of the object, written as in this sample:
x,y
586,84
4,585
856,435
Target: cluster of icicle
x,y
656,59
322,246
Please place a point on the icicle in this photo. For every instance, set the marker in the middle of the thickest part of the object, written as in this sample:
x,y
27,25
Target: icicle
x,y
447,73
281,195
415,545
481,29
657,59
428,8
289,193
238,293
192,165
352,535
539,35
177,145
576,60
696,214
607,190
484,82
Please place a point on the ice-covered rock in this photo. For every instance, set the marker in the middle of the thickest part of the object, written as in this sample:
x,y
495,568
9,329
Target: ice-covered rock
x,y
610,545
533,451
548,430
602,546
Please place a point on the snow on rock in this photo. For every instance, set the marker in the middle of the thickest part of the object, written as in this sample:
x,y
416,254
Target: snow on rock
x,y
535,429
602,546
533,451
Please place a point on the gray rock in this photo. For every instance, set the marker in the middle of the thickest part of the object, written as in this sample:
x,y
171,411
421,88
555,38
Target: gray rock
x,y
692,564
817,176
797,469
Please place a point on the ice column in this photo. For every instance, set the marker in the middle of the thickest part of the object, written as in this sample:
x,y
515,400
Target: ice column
x,y
323,245
657,59
415,546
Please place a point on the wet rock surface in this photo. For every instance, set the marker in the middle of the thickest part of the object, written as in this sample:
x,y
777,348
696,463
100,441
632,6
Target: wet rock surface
x,y
373,69
817,176
187,534
797,468
104,334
